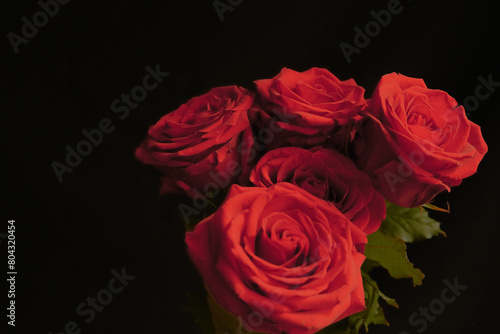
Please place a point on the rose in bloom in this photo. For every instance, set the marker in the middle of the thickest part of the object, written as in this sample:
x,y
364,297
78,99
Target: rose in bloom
x,y
203,143
326,174
416,142
280,259
309,106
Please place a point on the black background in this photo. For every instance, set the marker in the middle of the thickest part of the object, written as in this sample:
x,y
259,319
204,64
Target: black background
x,y
107,213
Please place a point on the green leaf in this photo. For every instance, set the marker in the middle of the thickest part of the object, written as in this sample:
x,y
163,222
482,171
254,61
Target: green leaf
x,y
373,314
225,322
368,265
390,253
410,224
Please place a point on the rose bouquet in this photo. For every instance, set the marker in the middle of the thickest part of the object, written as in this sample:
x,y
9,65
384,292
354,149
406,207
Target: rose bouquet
x,y
298,189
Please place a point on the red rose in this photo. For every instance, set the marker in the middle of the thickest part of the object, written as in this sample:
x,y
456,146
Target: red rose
x,y
310,106
280,259
328,175
416,142
205,140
